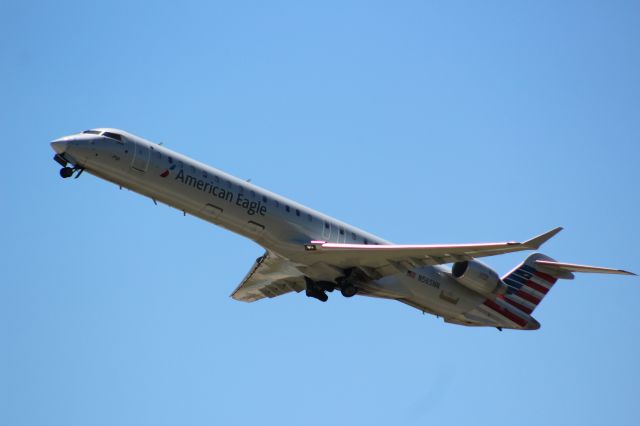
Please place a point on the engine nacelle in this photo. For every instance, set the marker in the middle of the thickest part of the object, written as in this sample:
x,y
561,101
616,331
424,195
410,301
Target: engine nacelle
x,y
478,277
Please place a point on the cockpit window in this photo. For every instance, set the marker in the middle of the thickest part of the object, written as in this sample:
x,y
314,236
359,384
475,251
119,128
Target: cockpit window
x,y
92,132
113,136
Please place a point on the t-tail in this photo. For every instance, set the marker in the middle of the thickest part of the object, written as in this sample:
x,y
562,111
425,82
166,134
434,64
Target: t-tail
x,y
529,282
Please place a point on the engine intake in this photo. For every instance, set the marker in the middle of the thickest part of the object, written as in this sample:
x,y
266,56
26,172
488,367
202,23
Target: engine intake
x,y
478,277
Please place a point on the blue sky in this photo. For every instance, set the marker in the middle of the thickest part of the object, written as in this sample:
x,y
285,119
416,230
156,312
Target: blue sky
x,y
422,122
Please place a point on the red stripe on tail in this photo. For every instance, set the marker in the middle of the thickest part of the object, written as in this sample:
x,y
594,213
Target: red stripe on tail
x,y
526,296
545,277
537,287
517,305
506,313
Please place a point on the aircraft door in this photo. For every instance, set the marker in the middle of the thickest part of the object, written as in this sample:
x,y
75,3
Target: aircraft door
x,y
141,155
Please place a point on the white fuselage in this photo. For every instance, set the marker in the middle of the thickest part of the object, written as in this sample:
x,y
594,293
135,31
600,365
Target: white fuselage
x,y
276,223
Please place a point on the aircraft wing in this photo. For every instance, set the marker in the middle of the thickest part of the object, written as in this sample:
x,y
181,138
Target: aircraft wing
x,y
379,256
270,276
571,267
273,276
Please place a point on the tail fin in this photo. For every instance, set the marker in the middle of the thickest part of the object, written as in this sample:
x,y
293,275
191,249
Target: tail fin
x,y
528,285
529,282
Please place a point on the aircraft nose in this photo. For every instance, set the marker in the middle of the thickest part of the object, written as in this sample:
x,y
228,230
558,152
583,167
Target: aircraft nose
x,y
59,146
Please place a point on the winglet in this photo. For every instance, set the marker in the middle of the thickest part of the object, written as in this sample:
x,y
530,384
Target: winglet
x,y
536,242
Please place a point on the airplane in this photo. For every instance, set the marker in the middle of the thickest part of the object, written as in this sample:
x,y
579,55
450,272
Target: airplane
x,y
308,251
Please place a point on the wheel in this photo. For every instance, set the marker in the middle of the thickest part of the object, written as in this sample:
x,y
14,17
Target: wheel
x,y
349,290
66,172
317,294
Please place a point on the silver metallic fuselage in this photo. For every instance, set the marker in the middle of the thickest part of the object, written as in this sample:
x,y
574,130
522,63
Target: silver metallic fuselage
x,y
280,225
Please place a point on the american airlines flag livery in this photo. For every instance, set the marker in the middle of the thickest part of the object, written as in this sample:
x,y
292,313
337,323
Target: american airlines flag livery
x,y
312,252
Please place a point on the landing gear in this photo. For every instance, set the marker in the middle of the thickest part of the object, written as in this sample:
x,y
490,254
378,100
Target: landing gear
x,y
327,286
347,284
348,290
316,290
60,160
317,294
66,172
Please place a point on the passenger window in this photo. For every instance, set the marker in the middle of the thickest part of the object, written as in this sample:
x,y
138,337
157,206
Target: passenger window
x,y
170,160
193,169
297,212
288,209
326,225
264,199
341,231
217,179
365,241
353,236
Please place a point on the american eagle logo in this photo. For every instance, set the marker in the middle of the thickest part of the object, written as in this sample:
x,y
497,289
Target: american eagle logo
x,y
166,172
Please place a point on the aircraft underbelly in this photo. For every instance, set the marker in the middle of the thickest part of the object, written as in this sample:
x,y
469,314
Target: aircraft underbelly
x,y
429,289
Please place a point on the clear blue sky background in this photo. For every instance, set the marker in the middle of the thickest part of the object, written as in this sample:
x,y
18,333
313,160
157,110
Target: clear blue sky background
x,y
422,122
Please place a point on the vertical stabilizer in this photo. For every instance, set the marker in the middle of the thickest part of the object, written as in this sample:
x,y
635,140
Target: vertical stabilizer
x,y
528,284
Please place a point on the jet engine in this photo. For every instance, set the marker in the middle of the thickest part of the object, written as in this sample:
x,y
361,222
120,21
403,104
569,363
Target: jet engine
x,y
478,277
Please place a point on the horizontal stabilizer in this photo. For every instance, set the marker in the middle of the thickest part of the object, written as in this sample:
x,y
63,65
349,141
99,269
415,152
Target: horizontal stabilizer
x,y
570,267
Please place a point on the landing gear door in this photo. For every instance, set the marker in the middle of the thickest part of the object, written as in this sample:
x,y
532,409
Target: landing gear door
x,y
141,155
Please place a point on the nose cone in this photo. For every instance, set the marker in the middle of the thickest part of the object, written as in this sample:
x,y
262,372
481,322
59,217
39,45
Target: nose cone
x,y
59,146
